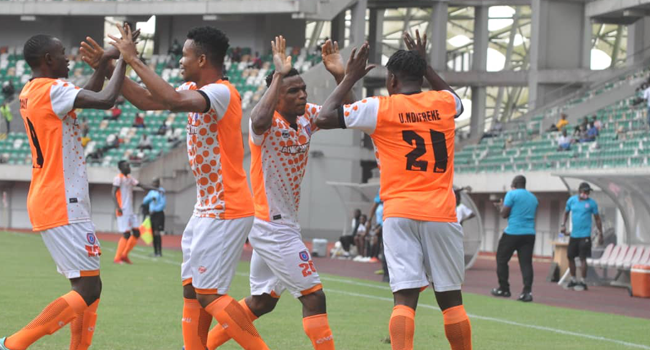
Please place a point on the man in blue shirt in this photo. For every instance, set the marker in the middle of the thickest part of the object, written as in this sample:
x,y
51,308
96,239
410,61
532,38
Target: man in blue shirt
x,y
157,201
581,208
520,208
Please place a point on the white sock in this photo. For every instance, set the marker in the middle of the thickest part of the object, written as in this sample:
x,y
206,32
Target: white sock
x,y
573,279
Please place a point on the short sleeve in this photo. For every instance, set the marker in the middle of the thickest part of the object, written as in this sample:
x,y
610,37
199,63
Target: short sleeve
x,y
509,201
311,112
185,87
219,96
594,207
255,138
62,96
117,181
134,181
361,115
457,102
567,208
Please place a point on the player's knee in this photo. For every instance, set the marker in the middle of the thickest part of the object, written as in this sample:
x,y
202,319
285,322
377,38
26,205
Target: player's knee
x,y
136,233
90,288
127,235
261,304
189,292
449,299
314,303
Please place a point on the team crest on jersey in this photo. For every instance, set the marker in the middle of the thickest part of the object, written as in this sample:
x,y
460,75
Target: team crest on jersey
x,y
304,256
202,269
308,129
285,134
587,205
91,238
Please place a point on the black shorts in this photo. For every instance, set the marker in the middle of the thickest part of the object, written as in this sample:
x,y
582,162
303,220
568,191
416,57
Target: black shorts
x,y
579,247
158,221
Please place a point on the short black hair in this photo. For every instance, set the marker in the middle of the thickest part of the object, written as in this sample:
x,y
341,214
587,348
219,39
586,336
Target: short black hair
x,y
269,77
36,47
210,41
407,65
519,181
121,163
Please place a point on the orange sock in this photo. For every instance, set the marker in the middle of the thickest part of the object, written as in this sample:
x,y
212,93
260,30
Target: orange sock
x,y
133,240
218,336
457,328
232,317
121,245
51,319
205,320
402,328
318,330
82,328
192,325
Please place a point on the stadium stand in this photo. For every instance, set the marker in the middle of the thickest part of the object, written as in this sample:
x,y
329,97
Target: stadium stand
x,y
524,145
112,137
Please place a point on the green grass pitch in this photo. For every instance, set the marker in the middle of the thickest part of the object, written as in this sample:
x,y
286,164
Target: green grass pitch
x,y
141,308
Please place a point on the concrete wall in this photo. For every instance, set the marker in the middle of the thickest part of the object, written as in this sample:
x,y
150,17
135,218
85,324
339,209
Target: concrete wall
x,y
70,30
254,31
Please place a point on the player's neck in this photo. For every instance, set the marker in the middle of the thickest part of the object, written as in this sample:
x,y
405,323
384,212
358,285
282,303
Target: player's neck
x,y
38,73
409,89
291,119
209,76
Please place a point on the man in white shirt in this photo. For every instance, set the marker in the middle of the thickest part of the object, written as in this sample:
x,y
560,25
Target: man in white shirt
x,y
564,142
463,212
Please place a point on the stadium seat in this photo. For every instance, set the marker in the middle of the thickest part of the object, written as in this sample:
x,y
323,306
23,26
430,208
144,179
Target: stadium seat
x,y
628,257
642,254
606,254
616,256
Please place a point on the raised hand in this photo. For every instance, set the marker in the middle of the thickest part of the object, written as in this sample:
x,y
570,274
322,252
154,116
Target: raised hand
x,y
332,58
419,45
125,44
92,53
357,66
280,59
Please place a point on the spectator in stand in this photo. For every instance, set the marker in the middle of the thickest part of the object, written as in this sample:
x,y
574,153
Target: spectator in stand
x,y
235,56
578,129
256,62
560,123
495,130
114,113
5,111
84,140
621,135
597,123
646,97
162,130
348,237
588,134
144,143
8,91
564,142
112,141
138,122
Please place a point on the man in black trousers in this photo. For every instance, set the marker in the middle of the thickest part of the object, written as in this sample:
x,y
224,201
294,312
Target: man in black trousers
x,y
520,208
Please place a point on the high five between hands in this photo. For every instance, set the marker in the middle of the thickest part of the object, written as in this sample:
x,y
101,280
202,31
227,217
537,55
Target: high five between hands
x,y
94,54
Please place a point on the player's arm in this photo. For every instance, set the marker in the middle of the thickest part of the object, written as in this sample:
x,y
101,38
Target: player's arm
x,y
333,62
505,211
177,101
104,99
146,187
564,219
599,226
93,54
435,81
506,205
356,69
371,215
262,114
117,204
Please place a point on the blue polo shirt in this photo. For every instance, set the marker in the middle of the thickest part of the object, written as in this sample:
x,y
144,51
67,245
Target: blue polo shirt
x,y
581,212
379,213
523,208
156,200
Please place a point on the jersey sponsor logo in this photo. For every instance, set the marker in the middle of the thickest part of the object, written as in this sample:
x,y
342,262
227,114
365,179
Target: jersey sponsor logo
x,y
322,340
295,149
23,103
418,117
91,238
277,217
304,256
73,200
202,269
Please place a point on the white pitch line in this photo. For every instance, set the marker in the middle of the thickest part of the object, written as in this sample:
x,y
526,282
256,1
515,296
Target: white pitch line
x,y
426,306
512,323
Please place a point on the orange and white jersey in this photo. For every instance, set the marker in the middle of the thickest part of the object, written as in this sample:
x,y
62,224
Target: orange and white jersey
x,y
124,194
58,194
216,152
278,162
414,145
